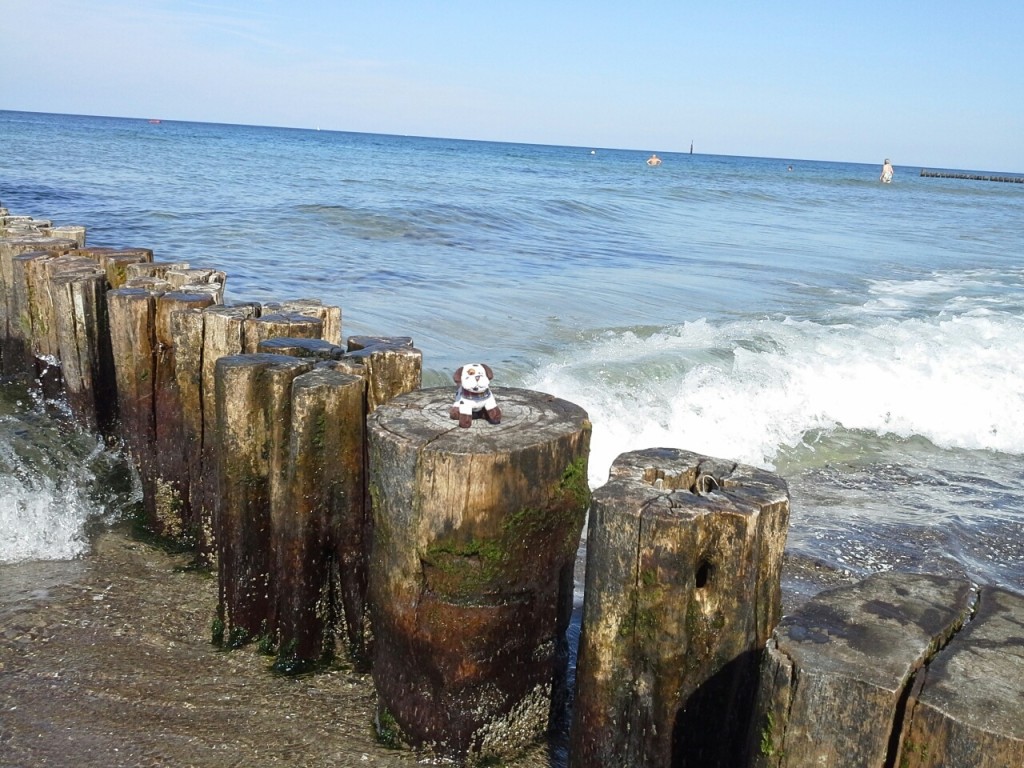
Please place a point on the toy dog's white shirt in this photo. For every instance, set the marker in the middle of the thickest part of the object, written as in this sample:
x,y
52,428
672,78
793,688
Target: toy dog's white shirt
x,y
474,394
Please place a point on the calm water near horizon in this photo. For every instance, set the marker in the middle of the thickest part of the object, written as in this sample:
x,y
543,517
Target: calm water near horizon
x,y
864,341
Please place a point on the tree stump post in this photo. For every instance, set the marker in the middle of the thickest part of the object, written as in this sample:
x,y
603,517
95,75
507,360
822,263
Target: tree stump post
x,y
684,555
391,366
838,672
13,322
318,533
475,533
83,338
280,324
131,314
172,446
968,709
253,394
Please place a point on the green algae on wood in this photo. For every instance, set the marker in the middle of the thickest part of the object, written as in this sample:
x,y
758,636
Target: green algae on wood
x,y
475,536
682,590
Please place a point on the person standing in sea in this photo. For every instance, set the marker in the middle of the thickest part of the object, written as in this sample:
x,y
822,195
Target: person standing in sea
x,y
887,172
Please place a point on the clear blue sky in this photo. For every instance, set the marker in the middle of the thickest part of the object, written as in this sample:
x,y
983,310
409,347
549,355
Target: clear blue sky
x,y
937,84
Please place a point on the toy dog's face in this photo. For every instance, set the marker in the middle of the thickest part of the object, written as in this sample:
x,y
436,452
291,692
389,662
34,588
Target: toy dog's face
x,y
475,377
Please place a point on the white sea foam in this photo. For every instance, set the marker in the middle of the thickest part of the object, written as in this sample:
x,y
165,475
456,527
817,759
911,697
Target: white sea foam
x,y
40,521
52,484
746,390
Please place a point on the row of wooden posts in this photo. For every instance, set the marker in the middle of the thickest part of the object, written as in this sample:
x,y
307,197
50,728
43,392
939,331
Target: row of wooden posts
x,y
970,176
343,510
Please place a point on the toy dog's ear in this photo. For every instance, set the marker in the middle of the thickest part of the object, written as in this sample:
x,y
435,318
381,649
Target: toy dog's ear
x,y
457,376
488,371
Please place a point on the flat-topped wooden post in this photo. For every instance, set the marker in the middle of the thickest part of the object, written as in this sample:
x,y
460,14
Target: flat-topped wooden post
x,y
173,444
391,366
475,537
254,394
969,707
838,672
684,555
321,579
83,340
14,320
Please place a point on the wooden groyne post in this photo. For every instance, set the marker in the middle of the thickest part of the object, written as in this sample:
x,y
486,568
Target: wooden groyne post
x,y
17,295
684,555
900,669
969,707
291,514
475,534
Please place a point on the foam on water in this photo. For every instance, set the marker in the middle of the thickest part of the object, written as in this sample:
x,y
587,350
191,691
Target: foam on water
x,y
42,519
750,388
53,484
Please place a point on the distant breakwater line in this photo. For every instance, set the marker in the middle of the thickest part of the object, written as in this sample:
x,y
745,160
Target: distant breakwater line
x,y
970,176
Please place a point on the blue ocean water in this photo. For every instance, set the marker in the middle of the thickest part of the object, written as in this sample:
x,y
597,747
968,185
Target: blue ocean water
x,y
865,341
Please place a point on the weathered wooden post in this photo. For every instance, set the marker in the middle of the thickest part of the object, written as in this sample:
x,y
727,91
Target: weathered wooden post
x,y
254,421
83,341
684,555
172,440
14,322
323,507
317,349
131,313
29,296
837,674
280,324
329,316
220,327
142,273
969,707
474,540
69,232
43,276
112,260
391,365
388,367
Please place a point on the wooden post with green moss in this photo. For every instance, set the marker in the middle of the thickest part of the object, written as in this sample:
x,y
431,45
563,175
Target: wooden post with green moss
x,y
253,394
131,313
174,408
83,340
319,533
474,541
900,669
684,555
15,323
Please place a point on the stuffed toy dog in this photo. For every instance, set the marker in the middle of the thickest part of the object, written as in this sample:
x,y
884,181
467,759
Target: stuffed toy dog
x,y
474,395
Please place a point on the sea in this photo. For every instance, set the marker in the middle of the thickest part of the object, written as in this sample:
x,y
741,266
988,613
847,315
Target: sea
x,y
864,341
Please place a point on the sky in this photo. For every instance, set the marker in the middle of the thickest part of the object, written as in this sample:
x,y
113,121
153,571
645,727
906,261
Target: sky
x,y
930,84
